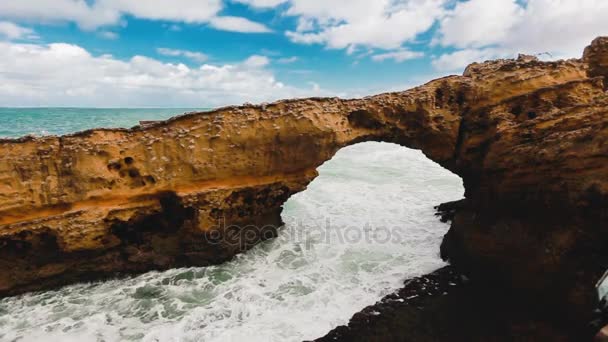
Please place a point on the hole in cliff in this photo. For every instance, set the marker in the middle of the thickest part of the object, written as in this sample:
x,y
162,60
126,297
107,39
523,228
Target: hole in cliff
x,y
517,110
141,229
364,119
461,98
129,160
133,173
39,248
114,166
532,115
439,95
14,247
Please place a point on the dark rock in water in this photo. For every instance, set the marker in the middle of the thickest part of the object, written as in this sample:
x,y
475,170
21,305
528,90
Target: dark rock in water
x,y
600,321
445,306
448,210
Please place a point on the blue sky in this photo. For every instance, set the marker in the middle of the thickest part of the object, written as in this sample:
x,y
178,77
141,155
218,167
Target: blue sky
x,y
182,53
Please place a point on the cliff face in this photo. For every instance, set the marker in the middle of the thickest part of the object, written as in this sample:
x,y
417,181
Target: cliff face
x,y
527,137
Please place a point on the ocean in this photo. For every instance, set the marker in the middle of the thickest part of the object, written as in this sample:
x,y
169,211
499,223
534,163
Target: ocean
x,y
17,122
360,229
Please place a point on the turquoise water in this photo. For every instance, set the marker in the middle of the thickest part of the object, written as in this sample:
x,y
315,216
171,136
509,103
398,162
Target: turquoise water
x,y
17,122
362,227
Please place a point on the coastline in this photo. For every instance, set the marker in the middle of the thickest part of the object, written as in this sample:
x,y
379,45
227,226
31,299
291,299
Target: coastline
x,y
527,138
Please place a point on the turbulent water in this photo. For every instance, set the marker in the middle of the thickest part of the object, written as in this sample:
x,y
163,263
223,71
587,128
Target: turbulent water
x,y
362,227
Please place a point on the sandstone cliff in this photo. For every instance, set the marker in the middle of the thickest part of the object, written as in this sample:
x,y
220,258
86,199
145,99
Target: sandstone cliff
x,y
527,137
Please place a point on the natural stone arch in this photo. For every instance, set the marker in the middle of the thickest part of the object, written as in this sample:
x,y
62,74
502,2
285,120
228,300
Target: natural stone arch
x,y
108,193
527,137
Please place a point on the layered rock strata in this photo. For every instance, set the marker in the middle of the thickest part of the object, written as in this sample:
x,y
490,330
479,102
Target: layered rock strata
x,y
528,138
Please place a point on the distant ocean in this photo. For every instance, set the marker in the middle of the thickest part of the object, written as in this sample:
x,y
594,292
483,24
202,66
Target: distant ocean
x,y
17,122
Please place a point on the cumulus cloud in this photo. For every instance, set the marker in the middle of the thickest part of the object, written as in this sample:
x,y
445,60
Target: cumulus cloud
x,y
257,61
78,11
44,75
238,24
262,3
505,27
12,31
560,27
339,24
94,14
193,55
397,56
190,11
479,22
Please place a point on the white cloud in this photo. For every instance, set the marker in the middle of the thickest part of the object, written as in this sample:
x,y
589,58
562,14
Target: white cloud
x,y
262,3
560,27
44,75
257,61
398,56
287,60
109,35
91,15
305,24
341,24
458,60
78,11
193,55
12,31
238,24
190,11
479,22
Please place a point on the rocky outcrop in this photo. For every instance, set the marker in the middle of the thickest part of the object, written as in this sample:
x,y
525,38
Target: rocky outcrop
x,y
446,306
527,137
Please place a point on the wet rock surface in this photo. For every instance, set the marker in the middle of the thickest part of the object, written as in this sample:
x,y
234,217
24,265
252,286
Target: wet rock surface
x,y
446,306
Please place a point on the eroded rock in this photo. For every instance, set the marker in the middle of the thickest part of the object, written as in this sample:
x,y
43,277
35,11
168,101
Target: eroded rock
x,y
529,139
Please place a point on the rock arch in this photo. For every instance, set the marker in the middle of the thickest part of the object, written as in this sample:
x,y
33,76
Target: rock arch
x,y
527,137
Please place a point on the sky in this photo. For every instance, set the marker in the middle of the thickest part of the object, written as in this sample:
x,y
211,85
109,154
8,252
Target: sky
x,y
209,53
